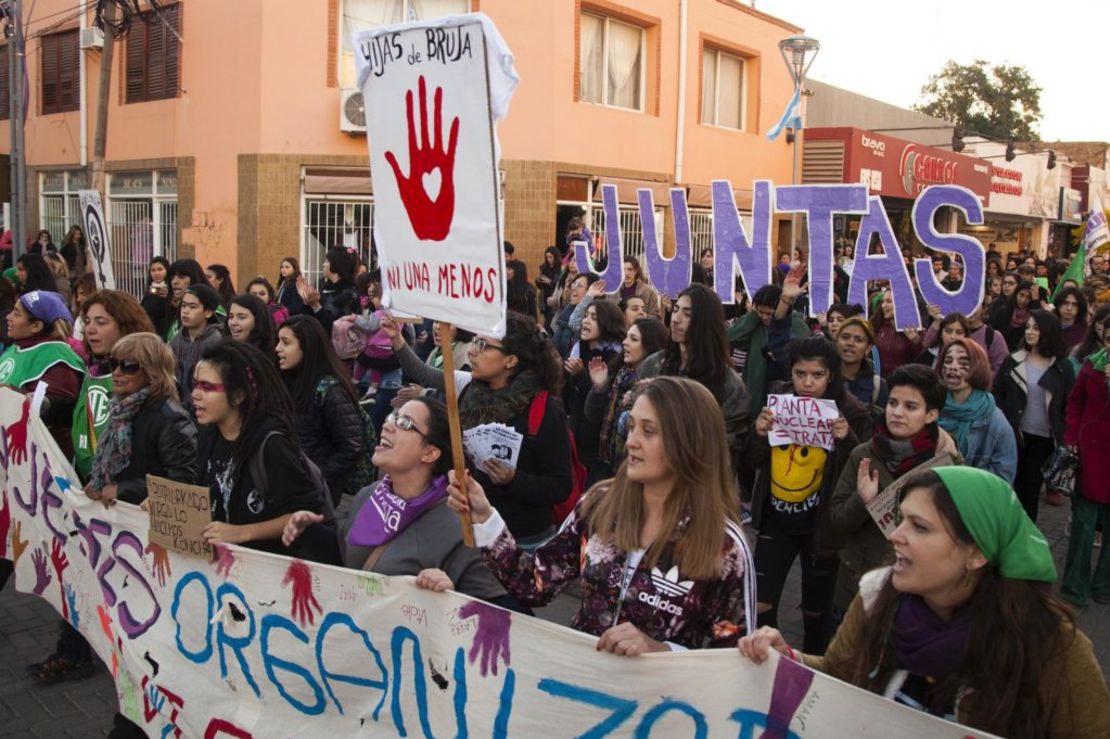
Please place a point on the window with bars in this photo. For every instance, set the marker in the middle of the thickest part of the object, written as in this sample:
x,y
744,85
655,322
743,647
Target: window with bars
x,y
154,55
5,94
331,221
611,62
59,72
722,93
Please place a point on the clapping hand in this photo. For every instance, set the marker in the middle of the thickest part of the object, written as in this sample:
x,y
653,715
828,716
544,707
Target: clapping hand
x,y
867,482
599,374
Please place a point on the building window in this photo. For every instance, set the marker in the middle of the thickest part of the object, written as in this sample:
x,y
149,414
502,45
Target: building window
x,y
142,223
611,62
59,210
360,15
722,89
59,72
154,55
5,95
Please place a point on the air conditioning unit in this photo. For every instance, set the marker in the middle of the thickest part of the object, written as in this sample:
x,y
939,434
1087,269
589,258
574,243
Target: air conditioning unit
x,y
92,38
352,115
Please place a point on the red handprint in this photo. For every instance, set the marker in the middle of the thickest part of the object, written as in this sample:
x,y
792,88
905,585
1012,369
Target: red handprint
x,y
223,558
428,191
58,557
303,599
160,562
16,436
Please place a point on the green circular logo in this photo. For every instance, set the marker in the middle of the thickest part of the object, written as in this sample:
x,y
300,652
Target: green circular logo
x,y
6,369
99,404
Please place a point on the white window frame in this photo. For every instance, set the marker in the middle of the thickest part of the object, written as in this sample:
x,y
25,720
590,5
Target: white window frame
x,y
406,8
607,20
130,276
312,265
717,88
71,206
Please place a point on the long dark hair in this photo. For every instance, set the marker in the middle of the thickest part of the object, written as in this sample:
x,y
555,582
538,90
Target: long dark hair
x,y
226,289
187,268
260,280
1091,342
157,260
653,334
824,351
38,274
254,388
610,320
318,360
296,271
263,335
707,348
533,351
1014,631
1051,341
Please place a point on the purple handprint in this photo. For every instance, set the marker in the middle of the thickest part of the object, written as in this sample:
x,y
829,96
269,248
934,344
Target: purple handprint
x,y
223,558
491,639
42,571
304,601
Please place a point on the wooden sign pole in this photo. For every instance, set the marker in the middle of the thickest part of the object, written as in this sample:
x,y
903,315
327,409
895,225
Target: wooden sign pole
x,y
446,341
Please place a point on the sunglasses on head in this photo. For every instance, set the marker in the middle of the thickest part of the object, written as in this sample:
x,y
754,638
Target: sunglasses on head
x,y
126,366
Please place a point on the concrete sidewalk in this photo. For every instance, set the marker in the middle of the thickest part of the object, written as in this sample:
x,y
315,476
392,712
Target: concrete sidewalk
x,y
84,708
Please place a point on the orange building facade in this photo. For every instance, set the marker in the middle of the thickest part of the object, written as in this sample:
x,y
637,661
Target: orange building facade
x,y
234,133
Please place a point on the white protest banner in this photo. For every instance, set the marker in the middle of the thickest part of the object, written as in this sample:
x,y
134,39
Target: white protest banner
x,y
802,421
255,645
884,506
433,91
96,234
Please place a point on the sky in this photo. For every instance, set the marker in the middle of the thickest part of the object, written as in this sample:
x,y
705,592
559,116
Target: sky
x,y
888,49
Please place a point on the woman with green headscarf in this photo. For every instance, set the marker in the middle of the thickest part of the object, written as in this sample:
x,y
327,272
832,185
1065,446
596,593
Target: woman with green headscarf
x,y
964,624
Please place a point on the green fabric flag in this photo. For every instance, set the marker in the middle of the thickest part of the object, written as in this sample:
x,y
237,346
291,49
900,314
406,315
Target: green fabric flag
x,y
1075,270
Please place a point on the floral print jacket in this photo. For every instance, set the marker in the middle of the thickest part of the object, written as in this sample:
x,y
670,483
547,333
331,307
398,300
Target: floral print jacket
x,y
658,600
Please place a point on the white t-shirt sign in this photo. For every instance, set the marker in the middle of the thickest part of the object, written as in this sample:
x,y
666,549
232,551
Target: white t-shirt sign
x,y
96,234
803,421
432,92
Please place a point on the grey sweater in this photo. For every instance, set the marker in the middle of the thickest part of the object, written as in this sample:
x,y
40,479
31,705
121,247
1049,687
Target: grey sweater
x,y
433,540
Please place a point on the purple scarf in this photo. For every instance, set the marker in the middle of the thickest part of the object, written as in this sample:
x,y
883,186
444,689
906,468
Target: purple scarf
x,y
384,514
925,644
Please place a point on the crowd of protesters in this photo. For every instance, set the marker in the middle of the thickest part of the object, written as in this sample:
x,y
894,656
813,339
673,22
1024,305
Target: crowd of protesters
x,y
317,421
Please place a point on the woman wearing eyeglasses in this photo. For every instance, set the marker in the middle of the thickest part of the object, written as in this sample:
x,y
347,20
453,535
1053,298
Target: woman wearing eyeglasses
x,y
516,381
108,315
401,525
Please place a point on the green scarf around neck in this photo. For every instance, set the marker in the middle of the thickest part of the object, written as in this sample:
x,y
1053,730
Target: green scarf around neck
x,y
1098,359
957,418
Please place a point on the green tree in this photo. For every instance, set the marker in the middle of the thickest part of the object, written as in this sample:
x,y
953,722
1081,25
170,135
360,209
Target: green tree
x,y
999,101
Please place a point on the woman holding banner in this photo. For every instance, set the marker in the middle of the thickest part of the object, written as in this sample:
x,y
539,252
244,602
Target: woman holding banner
x,y
658,549
792,487
964,624
516,381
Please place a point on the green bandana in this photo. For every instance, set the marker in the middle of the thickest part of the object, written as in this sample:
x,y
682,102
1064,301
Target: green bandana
x,y
1098,360
1003,531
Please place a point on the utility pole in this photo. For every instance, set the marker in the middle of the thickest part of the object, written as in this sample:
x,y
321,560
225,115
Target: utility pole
x,y
16,61
100,141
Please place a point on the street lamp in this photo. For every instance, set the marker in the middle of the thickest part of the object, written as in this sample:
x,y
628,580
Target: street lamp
x,y
798,52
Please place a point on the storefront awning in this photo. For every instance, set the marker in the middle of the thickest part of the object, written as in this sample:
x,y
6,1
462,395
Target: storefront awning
x,y
338,181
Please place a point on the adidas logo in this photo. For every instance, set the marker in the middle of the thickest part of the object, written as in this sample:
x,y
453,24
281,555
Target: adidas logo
x,y
669,584
662,604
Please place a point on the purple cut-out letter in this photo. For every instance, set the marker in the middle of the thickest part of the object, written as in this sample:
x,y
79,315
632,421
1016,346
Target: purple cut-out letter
x,y
614,268
731,247
969,297
886,265
669,276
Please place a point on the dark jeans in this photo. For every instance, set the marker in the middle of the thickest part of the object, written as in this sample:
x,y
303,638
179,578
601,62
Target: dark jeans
x,y
1032,454
775,551
1079,584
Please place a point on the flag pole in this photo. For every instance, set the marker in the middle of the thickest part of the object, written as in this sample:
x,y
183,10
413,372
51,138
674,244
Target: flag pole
x,y
446,347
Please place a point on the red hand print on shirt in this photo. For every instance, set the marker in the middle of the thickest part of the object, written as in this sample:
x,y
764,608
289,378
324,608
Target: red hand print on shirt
x,y
303,600
428,191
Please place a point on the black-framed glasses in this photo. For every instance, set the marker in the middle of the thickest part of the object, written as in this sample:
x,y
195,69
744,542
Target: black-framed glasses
x,y
481,345
125,366
404,423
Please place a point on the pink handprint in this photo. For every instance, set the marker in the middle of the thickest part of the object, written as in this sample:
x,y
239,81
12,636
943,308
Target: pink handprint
x,y
491,639
428,191
160,562
42,571
223,558
16,436
303,599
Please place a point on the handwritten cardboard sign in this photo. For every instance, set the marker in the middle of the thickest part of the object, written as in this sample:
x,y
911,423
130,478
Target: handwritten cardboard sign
x,y
433,91
178,515
884,506
803,421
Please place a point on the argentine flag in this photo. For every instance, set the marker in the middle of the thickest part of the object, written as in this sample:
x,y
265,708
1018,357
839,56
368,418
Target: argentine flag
x,y
791,117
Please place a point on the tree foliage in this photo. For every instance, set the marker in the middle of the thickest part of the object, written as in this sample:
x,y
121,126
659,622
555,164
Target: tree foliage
x,y
999,101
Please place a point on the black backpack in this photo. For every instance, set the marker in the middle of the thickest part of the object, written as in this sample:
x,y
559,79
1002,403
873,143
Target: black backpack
x,y
261,478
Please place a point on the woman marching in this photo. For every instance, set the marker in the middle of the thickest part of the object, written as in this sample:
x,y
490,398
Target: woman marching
x,y
248,319
964,625
658,549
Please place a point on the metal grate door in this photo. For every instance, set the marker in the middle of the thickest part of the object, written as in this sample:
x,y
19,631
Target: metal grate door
x,y
331,223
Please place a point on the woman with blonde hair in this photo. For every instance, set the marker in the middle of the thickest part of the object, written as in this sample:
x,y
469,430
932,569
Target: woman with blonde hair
x,y
658,549
60,273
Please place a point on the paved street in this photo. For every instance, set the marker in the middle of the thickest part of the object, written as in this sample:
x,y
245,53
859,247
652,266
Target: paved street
x,y
28,627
